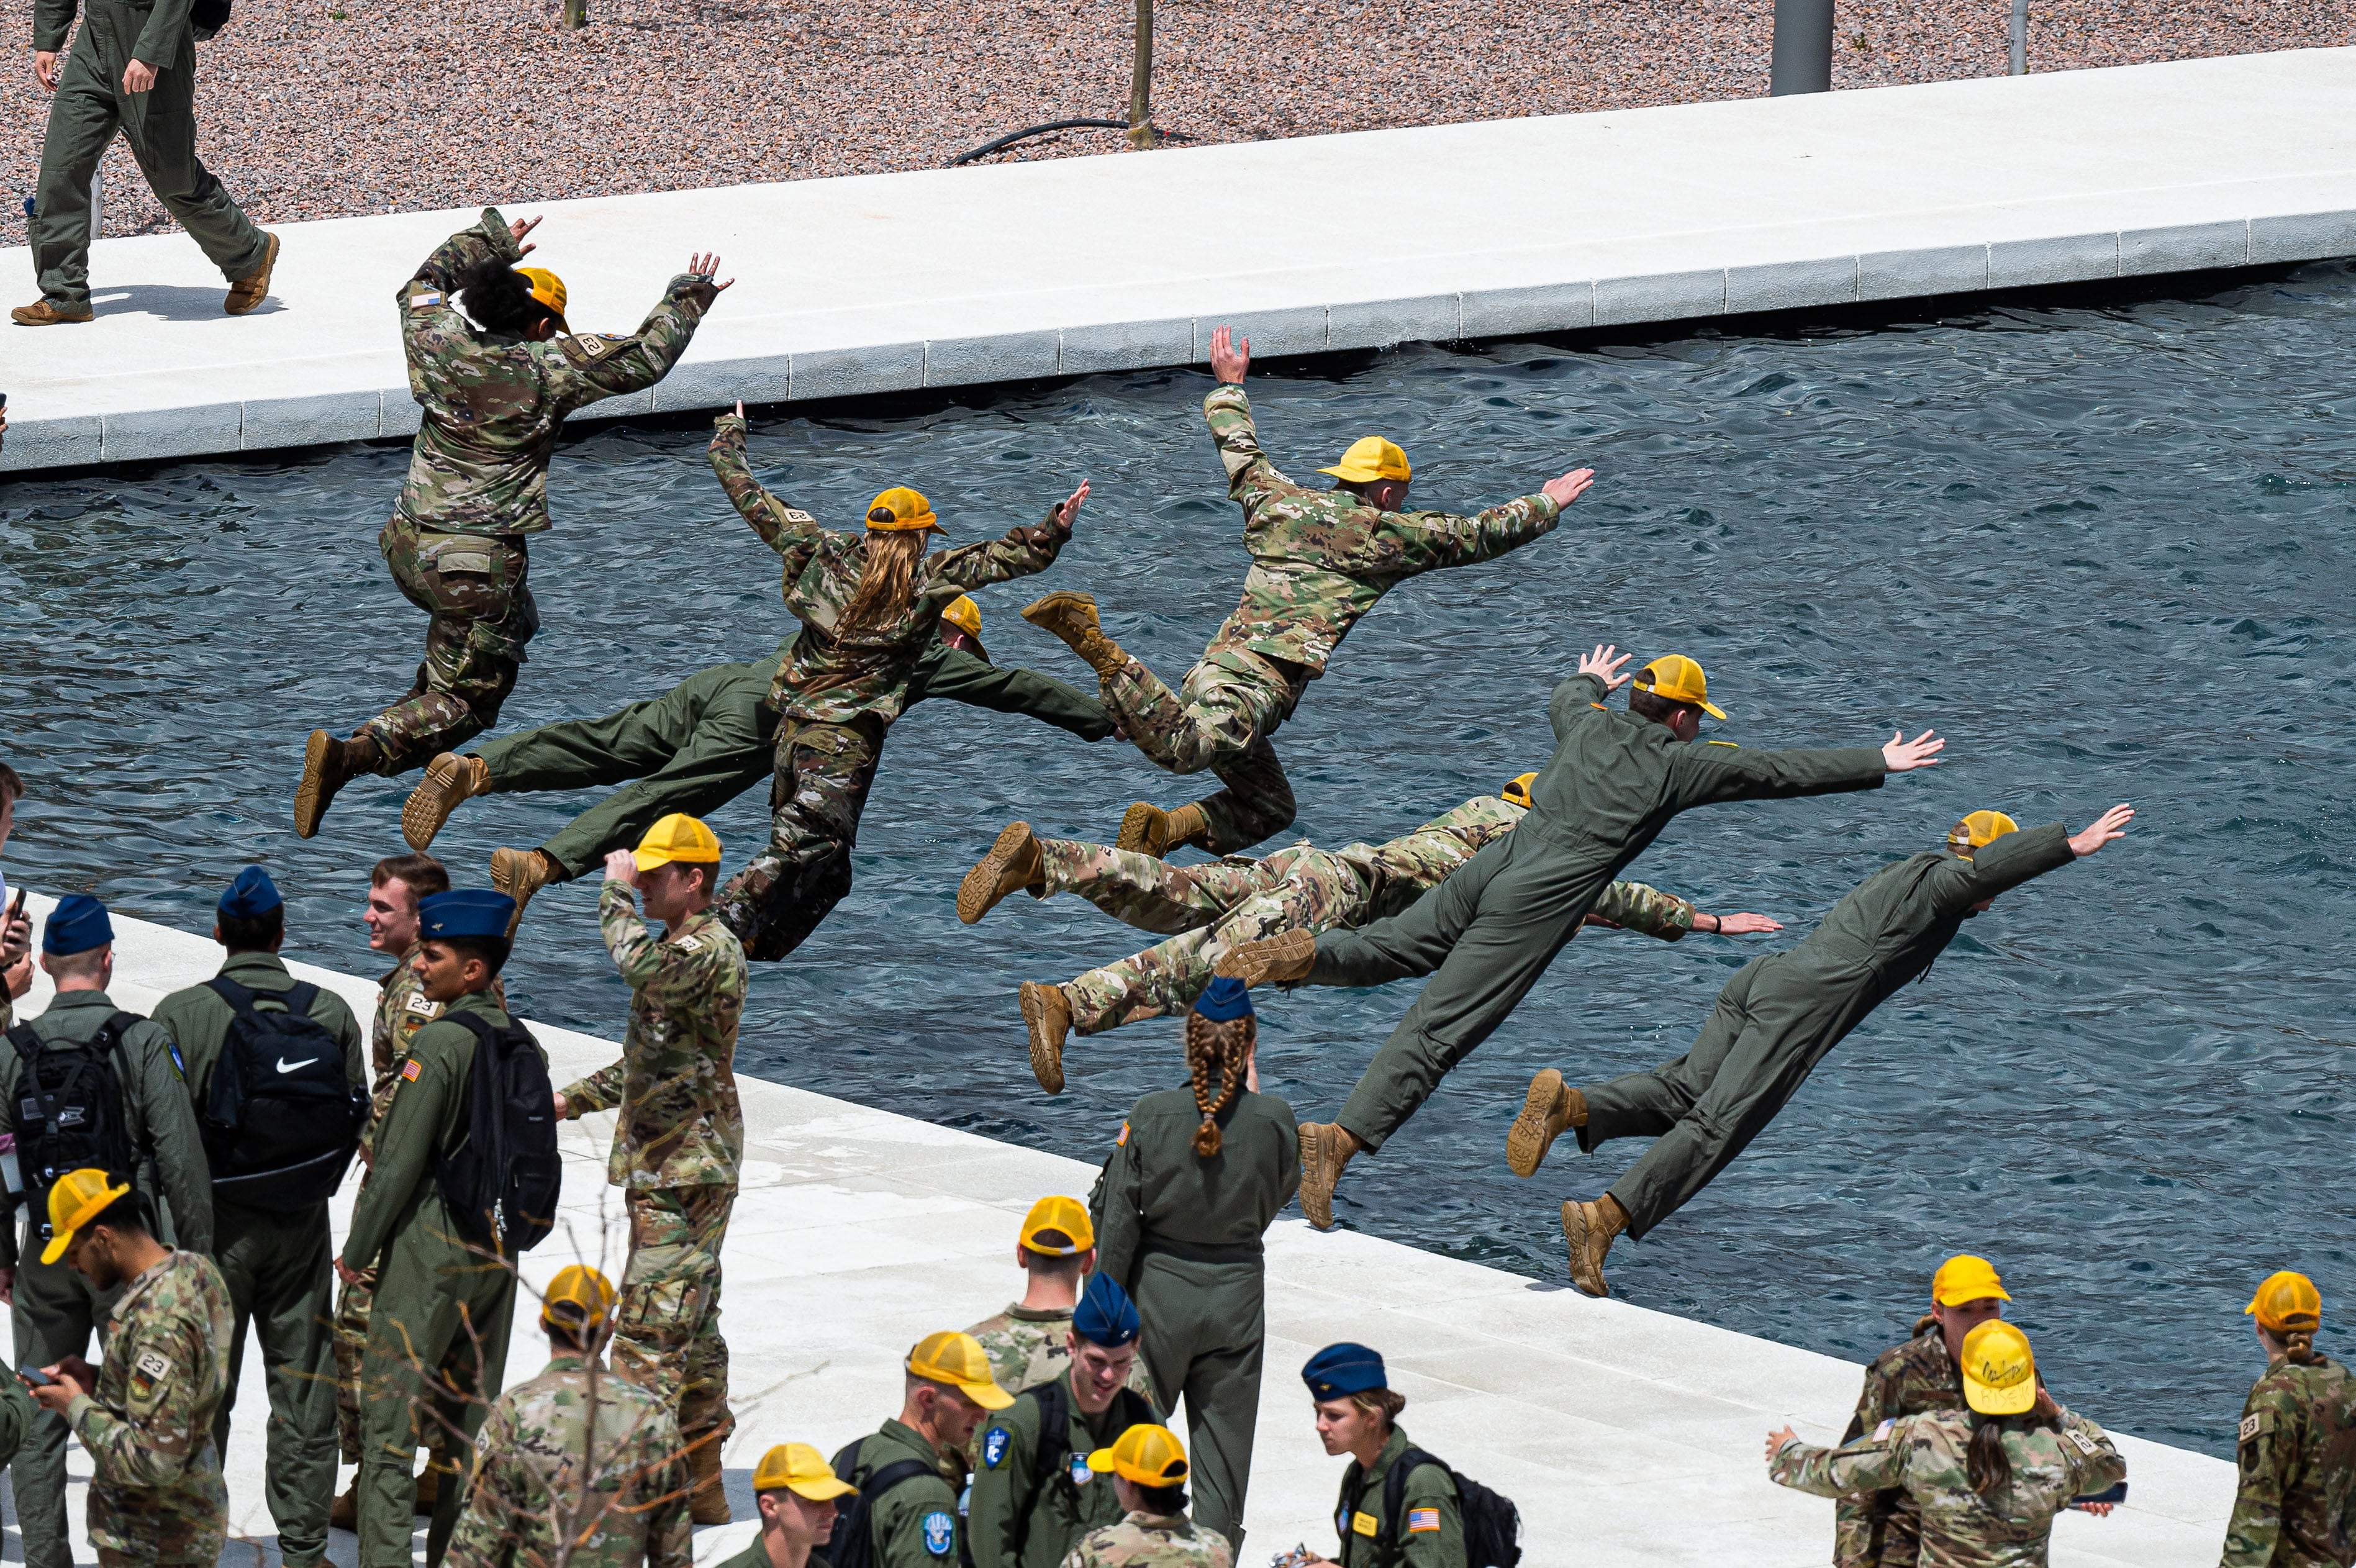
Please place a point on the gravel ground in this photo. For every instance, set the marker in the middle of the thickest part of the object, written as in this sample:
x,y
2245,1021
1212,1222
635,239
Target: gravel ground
x,y
317,110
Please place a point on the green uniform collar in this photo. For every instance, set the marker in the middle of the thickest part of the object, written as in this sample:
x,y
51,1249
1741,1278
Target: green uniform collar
x,y
571,1361
1022,1314
896,1431
247,967
82,999
408,957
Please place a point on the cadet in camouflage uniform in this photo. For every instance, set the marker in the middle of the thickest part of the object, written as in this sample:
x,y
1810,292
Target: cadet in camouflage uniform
x,y
577,1457
870,608
1147,1469
2038,1456
1321,560
495,397
948,1391
680,1136
146,1419
2296,1445
1030,1342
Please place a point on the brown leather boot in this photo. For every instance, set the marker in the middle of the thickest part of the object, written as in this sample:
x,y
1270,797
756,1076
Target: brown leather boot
x,y
344,1513
1551,1109
707,1497
1072,617
328,765
254,287
1047,1012
1325,1148
1147,829
1012,866
449,779
1588,1229
429,1485
519,874
49,313
1279,960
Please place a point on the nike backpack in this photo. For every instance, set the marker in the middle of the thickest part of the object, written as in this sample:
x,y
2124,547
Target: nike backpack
x,y
279,1118
69,1104
502,1183
852,1544
1492,1525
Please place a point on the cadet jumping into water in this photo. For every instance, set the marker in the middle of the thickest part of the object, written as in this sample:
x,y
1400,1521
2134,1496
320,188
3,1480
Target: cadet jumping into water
x,y
1775,1020
1321,559
496,384
2296,1507
1215,907
1486,934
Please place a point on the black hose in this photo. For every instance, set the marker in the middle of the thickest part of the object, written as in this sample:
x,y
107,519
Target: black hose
x,y
987,148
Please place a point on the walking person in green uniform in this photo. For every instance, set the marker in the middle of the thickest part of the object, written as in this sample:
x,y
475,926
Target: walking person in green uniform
x,y
496,383
797,1493
1357,1415
1775,1020
276,1264
1485,935
52,1308
1149,1473
1193,1182
1321,560
2296,1448
1031,1342
913,1468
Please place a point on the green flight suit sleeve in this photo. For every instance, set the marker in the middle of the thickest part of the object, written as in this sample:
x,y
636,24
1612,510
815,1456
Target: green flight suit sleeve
x,y
10,1203
16,1417
1115,1210
1872,1463
53,23
161,39
1001,1491
951,673
792,533
405,1141
1579,694
2266,1458
2014,859
151,1444
1633,907
1431,1522
182,1171
1711,775
902,1541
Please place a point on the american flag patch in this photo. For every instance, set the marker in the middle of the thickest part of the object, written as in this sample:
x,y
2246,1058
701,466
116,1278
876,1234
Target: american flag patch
x,y
424,299
409,1070
1420,1520
1117,1142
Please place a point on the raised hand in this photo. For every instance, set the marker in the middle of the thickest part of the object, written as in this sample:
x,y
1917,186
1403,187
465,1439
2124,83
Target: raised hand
x,y
1604,664
1777,1438
1903,755
705,266
1569,488
1231,355
1746,925
2110,826
518,230
622,866
1069,513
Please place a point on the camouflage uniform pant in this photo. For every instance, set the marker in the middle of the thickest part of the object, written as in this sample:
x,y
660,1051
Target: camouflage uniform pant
x,y
473,586
667,1323
816,794
1220,719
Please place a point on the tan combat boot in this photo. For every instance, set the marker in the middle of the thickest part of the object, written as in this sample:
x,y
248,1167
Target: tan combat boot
x,y
1588,1229
254,287
449,779
1325,1148
328,765
1279,960
1147,829
428,1485
1072,617
1552,1109
1047,1012
1012,866
707,1496
49,313
519,874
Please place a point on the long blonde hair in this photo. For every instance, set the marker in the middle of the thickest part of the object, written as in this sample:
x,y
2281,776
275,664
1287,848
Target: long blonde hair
x,y
1218,1055
887,581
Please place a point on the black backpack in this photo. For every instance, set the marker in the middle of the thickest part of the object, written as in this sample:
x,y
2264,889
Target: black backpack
x,y
69,1108
1051,1464
502,1183
1492,1525
207,17
852,1544
279,1118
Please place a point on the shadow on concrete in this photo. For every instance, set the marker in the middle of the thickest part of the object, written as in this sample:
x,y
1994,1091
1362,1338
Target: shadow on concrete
x,y
171,302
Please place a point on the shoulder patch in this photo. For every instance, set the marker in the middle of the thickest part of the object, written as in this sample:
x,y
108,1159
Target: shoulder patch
x,y
420,1007
409,1070
155,1363
795,515
688,944
1081,1474
993,1447
1117,1142
2254,1423
1881,1433
2086,1444
588,348
1421,1519
177,1065
424,299
1728,744
940,1533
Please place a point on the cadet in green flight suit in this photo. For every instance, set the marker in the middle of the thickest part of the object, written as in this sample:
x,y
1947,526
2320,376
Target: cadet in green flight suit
x,y
1357,1415
2295,1504
1193,1182
914,1520
1775,1020
276,1266
796,1492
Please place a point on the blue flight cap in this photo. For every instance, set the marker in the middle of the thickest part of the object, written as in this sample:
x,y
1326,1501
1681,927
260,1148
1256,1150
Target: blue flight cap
x,y
1340,1371
464,912
78,923
1106,1316
1226,997
252,895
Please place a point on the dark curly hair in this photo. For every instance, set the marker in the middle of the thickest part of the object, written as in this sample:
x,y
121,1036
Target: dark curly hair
x,y
499,298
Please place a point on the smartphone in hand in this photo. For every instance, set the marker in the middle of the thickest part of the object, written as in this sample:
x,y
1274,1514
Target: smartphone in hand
x,y
2118,1494
33,1376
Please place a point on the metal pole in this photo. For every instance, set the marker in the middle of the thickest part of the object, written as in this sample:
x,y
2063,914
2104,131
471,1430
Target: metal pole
x,y
1140,79
1803,47
576,13
2019,38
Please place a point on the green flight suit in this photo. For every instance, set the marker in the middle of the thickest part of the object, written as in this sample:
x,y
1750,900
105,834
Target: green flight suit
x,y
1780,1015
278,1271
1429,1532
1183,1234
55,1308
714,735
1015,1521
915,1524
756,1555
160,125
16,1413
1487,933
441,1312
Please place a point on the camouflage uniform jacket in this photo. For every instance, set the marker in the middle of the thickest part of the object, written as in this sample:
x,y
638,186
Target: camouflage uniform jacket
x,y
598,1460
834,676
494,403
1028,1345
1924,1454
1152,1540
1884,1529
1322,558
149,1428
681,1124
401,1010
2297,1506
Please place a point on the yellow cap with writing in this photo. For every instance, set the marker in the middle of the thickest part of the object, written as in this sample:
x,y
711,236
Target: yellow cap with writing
x,y
1999,1370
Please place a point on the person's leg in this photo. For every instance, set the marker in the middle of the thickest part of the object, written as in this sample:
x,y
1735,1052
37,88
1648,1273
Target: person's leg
x,y
823,774
1256,803
1220,719
1417,940
82,122
289,1308
52,1316
1296,888
1647,1104
351,1347
473,1373
667,1322
160,125
482,615
1222,1392
414,1323
1146,891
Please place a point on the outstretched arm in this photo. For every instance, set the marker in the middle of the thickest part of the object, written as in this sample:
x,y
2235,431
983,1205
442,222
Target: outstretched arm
x,y
1023,551
598,367
786,529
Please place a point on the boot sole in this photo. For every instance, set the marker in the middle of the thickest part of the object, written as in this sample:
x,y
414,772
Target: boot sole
x,y
1141,830
1316,1201
427,809
1534,1131
1288,956
310,796
979,892
1048,604
1046,1054
50,320
1575,1233
269,268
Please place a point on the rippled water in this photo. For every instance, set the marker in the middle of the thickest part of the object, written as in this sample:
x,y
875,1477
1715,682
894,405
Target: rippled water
x,y
2101,543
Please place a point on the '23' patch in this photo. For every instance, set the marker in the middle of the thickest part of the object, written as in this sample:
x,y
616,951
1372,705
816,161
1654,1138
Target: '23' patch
x,y
993,1447
940,1533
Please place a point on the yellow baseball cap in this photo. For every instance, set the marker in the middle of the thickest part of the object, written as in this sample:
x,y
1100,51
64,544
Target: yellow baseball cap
x,y
79,1198
1978,830
1999,1371
678,837
1676,678
799,1467
2287,1303
964,615
1370,457
900,509
959,1360
578,1298
1516,791
547,288
1066,1216
1964,1277
1145,1456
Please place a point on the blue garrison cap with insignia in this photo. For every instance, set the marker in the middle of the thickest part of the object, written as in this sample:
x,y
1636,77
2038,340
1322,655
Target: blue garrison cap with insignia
x,y
1106,1316
250,896
464,912
78,923
1226,997
1338,1370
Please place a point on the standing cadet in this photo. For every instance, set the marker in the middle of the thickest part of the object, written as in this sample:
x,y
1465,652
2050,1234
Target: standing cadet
x,y
577,1467
275,1264
1487,934
795,1491
1195,1180
145,1418
437,1345
1775,1020
1321,560
1033,1494
870,608
1215,907
913,1468
52,1308
681,1132
1149,1478
16,930
133,69
2297,1504
1030,1342
496,391
1357,1415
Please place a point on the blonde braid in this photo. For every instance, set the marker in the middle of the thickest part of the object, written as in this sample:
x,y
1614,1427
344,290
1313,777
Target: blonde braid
x,y
1217,1050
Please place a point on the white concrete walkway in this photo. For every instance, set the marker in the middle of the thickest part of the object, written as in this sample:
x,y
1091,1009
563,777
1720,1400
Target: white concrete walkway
x,y
937,278
1626,1436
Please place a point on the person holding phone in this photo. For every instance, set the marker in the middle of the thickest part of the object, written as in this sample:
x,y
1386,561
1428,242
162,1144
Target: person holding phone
x,y
15,926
